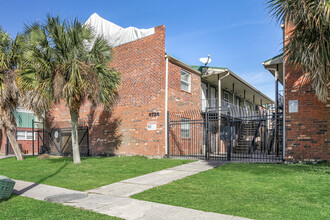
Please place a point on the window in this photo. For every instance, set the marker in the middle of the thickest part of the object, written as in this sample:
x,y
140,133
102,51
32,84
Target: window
x,y
185,128
185,81
21,109
20,135
226,96
24,135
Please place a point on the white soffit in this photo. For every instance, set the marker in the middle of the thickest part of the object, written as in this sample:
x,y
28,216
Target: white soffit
x,y
114,34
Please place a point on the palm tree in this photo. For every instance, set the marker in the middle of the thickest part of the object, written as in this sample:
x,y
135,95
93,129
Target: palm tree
x,y
65,61
308,45
9,91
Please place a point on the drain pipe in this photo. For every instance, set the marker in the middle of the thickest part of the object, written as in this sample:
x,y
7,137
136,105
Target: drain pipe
x,y
284,115
219,86
166,105
276,102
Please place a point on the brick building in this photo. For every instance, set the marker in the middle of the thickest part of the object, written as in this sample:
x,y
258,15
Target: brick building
x,y
24,134
152,84
307,120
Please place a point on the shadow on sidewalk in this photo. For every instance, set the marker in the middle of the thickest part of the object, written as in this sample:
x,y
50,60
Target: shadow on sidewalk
x,y
40,181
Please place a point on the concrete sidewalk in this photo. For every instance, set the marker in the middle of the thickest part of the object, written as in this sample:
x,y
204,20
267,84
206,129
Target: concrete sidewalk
x,y
3,156
114,199
128,208
129,187
44,192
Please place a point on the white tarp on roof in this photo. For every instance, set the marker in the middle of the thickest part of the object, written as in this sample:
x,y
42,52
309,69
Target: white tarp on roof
x,y
114,34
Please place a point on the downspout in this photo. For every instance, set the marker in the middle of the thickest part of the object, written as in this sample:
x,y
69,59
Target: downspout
x,y
284,115
219,87
276,104
166,105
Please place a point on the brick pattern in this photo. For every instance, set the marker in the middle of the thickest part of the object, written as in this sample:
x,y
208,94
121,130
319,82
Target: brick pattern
x,y
179,100
25,144
308,130
179,145
182,104
124,131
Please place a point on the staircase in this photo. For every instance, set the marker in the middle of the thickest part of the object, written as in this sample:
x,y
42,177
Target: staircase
x,y
247,137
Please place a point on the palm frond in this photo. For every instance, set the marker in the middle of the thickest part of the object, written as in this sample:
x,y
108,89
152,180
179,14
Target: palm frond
x,y
308,44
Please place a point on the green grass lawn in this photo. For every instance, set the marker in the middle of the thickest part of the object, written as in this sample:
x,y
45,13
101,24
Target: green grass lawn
x,y
19,207
258,191
91,173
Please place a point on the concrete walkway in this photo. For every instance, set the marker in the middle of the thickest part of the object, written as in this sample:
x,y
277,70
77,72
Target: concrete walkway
x,y
3,156
114,199
129,187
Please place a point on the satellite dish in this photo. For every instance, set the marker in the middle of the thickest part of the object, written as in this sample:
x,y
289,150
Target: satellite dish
x,y
205,60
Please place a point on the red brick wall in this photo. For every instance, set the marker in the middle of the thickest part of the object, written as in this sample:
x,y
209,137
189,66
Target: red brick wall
x,y
308,130
182,104
192,145
26,144
179,100
3,141
124,130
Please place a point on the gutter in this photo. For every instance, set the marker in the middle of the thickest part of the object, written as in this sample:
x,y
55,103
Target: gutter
x,y
250,86
183,65
246,83
166,105
284,115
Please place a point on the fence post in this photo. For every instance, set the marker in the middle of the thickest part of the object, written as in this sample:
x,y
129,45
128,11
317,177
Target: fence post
x,y
38,141
206,134
7,146
228,137
87,141
32,137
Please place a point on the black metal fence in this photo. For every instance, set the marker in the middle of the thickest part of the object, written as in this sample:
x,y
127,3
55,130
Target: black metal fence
x,y
216,135
186,135
57,141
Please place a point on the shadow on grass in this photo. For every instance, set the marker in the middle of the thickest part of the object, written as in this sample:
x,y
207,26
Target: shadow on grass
x,y
41,180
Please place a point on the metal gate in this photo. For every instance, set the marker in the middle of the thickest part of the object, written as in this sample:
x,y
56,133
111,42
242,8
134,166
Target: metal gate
x,y
218,134
58,141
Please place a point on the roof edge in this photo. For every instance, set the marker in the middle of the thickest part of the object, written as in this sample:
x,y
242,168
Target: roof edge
x,y
275,58
182,64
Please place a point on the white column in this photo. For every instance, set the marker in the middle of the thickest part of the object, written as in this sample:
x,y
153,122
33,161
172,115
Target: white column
x,y
208,95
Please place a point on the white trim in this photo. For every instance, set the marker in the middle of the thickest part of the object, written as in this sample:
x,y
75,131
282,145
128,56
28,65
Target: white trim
x,y
166,103
25,136
224,96
23,110
187,82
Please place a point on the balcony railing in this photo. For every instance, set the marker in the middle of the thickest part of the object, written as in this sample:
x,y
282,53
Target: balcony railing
x,y
234,110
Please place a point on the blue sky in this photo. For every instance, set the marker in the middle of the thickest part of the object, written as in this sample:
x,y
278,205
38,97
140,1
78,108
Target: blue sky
x,y
238,34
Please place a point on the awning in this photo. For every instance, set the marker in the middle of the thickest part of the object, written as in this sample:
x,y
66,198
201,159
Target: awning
x,y
240,85
275,63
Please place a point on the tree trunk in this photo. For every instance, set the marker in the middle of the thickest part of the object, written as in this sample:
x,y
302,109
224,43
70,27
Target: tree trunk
x,y
14,145
74,136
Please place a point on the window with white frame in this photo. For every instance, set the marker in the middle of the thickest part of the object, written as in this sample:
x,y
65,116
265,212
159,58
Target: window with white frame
x,y
185,81
226,96
24,135
24,110
185,128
